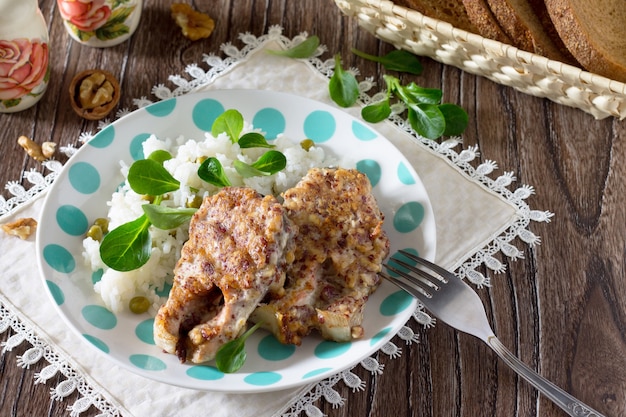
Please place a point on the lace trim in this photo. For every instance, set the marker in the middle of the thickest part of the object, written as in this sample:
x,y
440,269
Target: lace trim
x,y
58,364
325,389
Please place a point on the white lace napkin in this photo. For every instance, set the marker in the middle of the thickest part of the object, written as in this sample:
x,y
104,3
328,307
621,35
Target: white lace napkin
x,y
476,215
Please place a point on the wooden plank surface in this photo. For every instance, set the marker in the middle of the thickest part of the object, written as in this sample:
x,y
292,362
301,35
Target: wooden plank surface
x,y
561,309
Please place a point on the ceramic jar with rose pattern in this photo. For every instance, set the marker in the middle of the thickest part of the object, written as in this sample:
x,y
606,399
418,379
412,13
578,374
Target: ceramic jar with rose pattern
x,y
24,55
100,23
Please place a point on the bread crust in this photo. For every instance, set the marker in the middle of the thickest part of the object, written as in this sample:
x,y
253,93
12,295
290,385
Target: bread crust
x,y
521,20
451,11
480,14
591,52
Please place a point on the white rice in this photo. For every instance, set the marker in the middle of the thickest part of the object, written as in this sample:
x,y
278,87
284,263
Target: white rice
x,y
118,288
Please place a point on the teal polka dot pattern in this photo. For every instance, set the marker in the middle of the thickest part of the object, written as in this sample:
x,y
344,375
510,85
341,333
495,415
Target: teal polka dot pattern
x,y
399,256
316,372
205,112
147,362
363,132
84,177
99,317
405,175
59,258
372,169
272,350
262,378
327,349
165,291
379,336
136,146
204,373
96,276
104,138
162,108
320,126
72,220
270,121
144,331
82,189
97,343
396,303
408,217
56,292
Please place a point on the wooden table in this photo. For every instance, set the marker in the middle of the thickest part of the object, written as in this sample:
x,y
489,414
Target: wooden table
x,y
561,309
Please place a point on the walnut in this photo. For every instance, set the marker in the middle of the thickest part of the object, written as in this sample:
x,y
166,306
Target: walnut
x,y
195,25
94,93
32,148
48,149
22,228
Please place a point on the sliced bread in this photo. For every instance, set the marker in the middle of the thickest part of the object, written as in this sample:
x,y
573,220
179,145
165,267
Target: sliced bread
x,y
594,31
480,15
520,19
451,11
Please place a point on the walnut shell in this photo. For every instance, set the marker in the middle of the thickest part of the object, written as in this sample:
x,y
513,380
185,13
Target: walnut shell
x,y
107,101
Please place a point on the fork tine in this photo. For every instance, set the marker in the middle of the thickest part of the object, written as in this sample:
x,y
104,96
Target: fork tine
x,y
443,273
407,283
427,278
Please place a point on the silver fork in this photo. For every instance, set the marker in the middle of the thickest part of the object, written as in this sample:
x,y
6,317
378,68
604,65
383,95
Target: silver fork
x,y
457,304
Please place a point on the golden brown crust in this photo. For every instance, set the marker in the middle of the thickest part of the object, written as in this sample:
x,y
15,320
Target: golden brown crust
x,y
238,249
340,246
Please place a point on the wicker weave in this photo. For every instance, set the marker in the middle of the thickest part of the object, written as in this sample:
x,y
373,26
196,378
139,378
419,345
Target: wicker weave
x,y
527,72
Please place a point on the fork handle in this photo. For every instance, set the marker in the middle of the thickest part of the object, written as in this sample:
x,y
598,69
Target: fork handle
x,y
569,404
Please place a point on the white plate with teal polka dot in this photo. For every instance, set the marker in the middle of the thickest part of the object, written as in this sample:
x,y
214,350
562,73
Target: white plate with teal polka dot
x,y
86,183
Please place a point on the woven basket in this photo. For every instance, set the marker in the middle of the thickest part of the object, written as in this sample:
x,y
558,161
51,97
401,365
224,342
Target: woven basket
x,y
527,72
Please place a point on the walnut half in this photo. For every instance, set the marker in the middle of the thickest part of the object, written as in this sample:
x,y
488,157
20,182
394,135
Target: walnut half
x,y
195,25
22,228
94,93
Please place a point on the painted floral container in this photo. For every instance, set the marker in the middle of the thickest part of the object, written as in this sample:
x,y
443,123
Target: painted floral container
x,y
100,23
24,54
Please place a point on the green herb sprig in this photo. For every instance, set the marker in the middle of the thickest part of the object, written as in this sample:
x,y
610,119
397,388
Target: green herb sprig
x,y
426,114
304,49
396,60
231,356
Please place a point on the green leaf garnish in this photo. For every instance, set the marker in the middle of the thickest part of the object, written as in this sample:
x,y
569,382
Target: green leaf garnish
x,y
396,60
229,122
211,171
304,49
269,163
160,156
376,112
231,356
456,119
148,177
343,86
253,140
167,218
128,246
427,120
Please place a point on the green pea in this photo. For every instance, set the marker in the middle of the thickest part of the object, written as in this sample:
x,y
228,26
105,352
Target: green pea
x,y
103,223
139,304
195,202
95,232
307,144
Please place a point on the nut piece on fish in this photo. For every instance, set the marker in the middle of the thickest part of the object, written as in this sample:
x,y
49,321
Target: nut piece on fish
x,y
340,246
239,246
